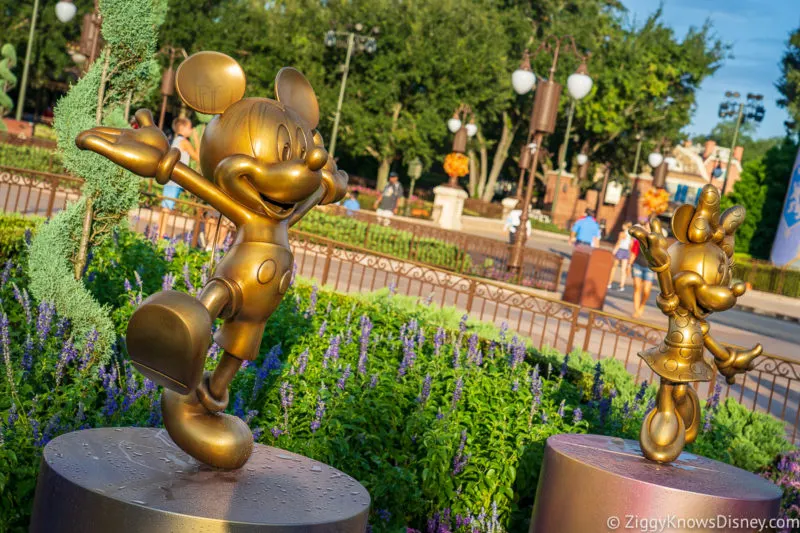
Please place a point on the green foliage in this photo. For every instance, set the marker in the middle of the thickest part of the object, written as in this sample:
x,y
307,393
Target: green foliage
x,y
14,230
750,192
404,445
767,277
778,164
30,157
741,437
7,79
384,239
789,84
785,472
127,63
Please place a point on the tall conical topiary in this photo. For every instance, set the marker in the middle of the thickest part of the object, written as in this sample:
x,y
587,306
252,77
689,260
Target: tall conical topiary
x,y
8,60
58,253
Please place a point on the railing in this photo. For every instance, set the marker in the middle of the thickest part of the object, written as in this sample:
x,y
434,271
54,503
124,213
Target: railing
x,y
467,254
773,386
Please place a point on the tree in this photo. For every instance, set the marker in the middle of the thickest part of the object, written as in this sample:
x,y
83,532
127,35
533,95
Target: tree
x,y
58,253
750,192
778,163
7,80
789,84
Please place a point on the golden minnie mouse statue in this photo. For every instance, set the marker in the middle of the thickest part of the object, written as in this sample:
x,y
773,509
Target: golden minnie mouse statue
x,y
694,275
264,166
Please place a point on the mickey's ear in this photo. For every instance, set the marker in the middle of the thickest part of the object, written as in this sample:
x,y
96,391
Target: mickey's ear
x,y
209,82
293,90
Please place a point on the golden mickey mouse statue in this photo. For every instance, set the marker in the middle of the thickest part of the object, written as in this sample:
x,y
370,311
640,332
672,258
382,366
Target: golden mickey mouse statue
x,y
264,166
694,275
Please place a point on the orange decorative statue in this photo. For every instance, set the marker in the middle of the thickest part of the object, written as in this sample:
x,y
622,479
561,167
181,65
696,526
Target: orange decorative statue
x,y
264,166
694,275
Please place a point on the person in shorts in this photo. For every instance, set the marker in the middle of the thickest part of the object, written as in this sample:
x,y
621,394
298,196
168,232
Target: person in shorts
x,y
387,202
622,255
643,277
183,131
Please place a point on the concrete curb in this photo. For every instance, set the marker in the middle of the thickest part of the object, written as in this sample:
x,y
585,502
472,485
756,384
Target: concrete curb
x,y
766,312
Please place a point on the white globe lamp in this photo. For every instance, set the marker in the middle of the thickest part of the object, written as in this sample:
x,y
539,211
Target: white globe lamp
x,y
523,81
454,124
655,159
65,10
472,129
582,159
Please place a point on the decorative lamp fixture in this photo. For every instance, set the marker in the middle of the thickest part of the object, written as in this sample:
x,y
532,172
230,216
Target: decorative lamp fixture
x,y
471,128
655,159
582,159
65,11
523,79
579,84
454,124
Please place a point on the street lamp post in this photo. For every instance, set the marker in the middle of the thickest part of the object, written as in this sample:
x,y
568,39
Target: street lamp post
x,y
639,138
543,118
355,41
168,80
462,124
414,172
751,110
65,12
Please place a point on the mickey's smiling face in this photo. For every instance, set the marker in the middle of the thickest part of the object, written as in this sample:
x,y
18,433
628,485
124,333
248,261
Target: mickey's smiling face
x,y
278,164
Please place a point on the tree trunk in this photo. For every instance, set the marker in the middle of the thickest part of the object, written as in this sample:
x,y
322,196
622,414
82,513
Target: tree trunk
x,y
484,167
383,172
83,247
500,156
474,172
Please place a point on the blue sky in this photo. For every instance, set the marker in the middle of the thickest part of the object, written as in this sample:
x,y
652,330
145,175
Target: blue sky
x,y
757,30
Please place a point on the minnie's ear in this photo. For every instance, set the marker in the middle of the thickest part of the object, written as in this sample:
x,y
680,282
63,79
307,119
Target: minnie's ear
x,y
680,222
293,90
209,82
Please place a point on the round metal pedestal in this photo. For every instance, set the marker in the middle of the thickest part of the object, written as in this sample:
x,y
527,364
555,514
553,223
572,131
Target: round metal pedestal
x,y
591,483
126,480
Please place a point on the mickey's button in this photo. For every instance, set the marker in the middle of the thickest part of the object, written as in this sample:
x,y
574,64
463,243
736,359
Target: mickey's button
x,y
266,271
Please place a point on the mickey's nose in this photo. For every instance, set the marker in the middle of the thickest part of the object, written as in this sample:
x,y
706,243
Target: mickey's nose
x,y
316,158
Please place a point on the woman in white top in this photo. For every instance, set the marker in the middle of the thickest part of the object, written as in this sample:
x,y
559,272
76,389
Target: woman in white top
x,y
622,256
182,127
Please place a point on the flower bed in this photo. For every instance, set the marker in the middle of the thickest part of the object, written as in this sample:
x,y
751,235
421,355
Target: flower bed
x,y
442,419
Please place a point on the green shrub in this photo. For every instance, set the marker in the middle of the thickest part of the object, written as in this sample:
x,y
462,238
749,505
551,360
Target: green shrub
x,y
31,158
366,359
13,231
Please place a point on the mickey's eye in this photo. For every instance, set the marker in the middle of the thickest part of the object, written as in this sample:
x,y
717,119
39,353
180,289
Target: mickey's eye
x,y
301,143
284,143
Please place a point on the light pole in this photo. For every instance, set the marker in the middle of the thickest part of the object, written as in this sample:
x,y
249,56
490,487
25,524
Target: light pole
x,y
639,138
462,124
168,80
751,110
361,43
543,119
414,172
65,12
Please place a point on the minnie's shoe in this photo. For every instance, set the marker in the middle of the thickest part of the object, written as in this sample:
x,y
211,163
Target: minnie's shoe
x,y
168,337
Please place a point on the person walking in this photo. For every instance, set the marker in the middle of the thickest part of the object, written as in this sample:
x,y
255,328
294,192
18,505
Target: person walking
x,y
643,277
512,223
182,127
386,204
622,255
585,231
351,203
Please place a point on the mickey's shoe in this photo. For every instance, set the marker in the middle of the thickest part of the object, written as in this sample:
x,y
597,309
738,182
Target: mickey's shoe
x,y
168,337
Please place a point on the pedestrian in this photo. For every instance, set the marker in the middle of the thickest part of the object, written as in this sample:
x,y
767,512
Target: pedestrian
x,y
643,277
585,231
512,223
182,127
351,203
386,204
622,255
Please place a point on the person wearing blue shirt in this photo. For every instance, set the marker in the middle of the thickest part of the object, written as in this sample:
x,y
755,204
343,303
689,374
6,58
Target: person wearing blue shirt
x,y
351,204
585,231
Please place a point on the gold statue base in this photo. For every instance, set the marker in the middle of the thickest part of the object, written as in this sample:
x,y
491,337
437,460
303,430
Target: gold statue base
x,y
593,483
136,480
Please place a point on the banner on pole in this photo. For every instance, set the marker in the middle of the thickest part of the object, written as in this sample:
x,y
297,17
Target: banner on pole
x,y
786,247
